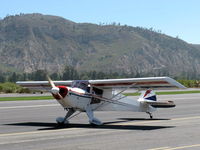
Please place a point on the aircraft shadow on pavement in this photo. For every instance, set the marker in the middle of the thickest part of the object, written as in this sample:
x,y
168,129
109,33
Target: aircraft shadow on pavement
x,y
143,119
106,125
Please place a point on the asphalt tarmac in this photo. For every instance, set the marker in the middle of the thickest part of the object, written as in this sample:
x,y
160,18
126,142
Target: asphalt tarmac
x,y
30,125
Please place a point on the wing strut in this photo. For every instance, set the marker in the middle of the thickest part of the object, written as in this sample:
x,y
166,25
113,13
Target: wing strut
x,y
115,101
112,101
123,90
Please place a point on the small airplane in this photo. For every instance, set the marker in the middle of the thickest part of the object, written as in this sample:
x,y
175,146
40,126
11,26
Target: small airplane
x,y
101,95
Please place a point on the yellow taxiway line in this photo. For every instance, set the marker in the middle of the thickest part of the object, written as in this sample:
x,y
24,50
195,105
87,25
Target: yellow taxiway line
x,y
36,132
30,106
157,121
175,148
160,148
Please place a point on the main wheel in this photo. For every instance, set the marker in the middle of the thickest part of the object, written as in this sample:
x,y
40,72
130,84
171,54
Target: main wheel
x,y
61,121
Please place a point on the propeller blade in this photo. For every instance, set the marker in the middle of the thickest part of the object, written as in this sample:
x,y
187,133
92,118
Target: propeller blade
x,y
60,96
51,82
55,90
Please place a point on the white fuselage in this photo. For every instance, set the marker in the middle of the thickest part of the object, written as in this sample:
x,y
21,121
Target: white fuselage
x,y
80,100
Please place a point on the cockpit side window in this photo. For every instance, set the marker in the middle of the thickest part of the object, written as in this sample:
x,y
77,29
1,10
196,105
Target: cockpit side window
x,y
98,91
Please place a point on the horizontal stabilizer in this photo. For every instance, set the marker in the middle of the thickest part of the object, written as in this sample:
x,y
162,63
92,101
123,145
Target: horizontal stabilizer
x,y
162,104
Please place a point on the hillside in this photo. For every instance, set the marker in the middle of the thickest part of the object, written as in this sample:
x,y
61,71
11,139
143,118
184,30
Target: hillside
x,y
34,41
197,46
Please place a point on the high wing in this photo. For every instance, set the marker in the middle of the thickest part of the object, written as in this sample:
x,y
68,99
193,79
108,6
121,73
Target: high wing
x,y
138,83
42,85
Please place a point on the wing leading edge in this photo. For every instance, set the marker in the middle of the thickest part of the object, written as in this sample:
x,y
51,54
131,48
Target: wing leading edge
x,y
42,85
138,83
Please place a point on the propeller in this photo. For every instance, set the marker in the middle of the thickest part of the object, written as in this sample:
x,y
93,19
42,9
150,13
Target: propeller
x,y
54,90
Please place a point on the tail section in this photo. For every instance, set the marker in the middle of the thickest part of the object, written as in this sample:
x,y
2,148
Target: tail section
x,y
148,96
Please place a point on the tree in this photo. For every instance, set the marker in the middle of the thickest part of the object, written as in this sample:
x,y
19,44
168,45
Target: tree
x,y
70,73
39,75
24,76
13,77
55,76
2,78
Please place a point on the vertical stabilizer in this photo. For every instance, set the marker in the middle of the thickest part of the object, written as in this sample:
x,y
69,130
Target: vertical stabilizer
x,y
148,95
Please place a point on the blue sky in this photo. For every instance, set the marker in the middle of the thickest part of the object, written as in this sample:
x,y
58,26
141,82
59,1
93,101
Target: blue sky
x,y
173,17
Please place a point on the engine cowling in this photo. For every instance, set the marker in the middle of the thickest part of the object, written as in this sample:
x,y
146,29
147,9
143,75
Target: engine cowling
x,y
63,91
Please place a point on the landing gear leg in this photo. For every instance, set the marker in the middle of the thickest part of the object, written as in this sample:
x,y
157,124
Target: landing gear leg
x,y
63,120
150,115
92,119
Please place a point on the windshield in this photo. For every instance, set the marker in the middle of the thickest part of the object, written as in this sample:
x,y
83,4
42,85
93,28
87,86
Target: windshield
x,y
82,84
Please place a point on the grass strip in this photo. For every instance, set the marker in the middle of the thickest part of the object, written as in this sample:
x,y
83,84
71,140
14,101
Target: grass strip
x,y
165,93
26,98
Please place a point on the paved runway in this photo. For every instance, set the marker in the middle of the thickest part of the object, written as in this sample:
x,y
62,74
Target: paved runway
x,y
30,125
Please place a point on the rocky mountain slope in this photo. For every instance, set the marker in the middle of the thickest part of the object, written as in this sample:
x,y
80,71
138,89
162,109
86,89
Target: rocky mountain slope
x,y
29,42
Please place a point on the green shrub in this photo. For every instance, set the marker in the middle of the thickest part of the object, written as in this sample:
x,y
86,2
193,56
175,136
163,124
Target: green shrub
x,y
190,83
9,87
